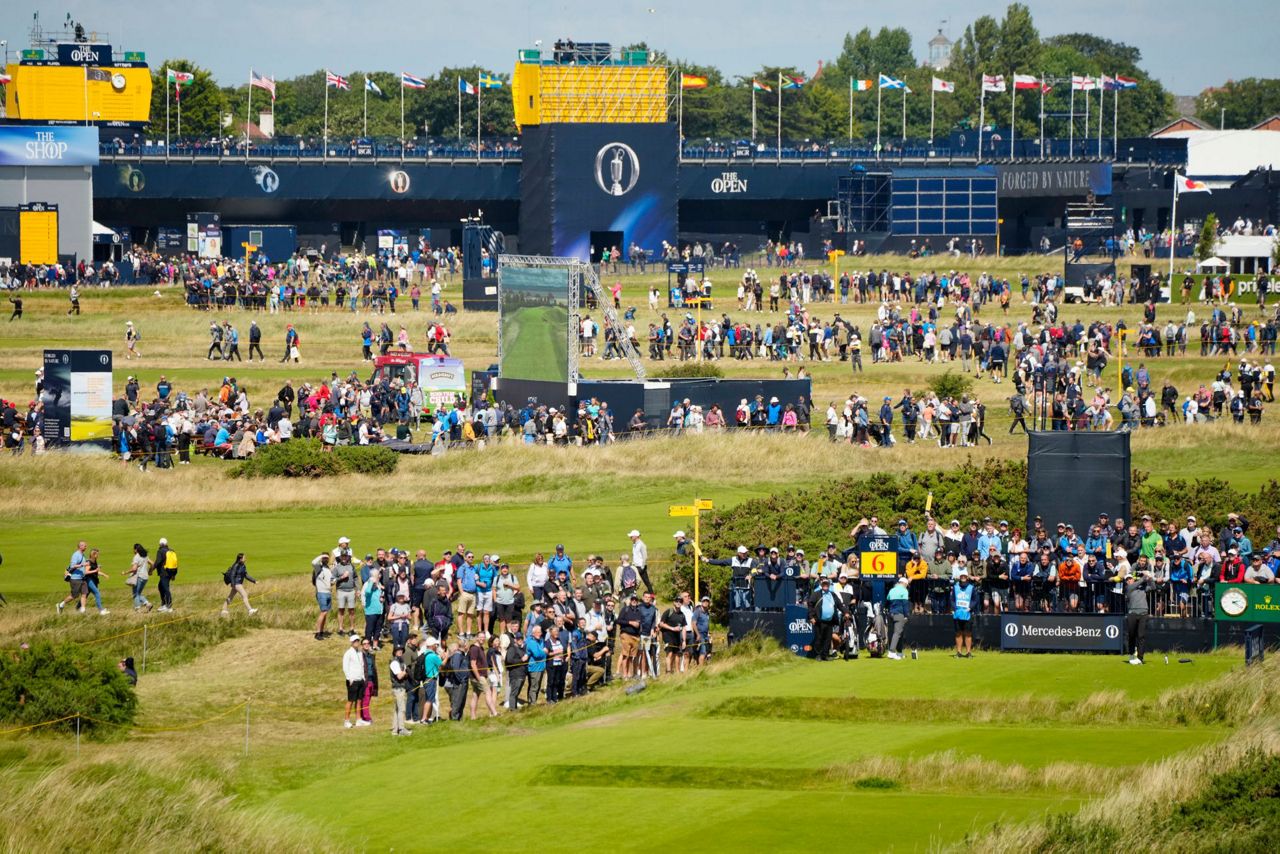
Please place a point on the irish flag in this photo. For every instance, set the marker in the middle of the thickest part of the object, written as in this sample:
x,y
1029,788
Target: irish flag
x,y
1183,184
861,85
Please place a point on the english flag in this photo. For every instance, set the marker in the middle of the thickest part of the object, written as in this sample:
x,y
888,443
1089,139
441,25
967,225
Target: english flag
x,y
1084,84
1183,184
993,83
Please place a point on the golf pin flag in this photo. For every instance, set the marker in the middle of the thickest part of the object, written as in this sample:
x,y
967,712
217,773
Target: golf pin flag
x,y
943,85
862,85
692,81
1183,184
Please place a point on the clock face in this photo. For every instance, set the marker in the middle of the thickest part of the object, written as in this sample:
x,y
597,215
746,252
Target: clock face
x,y
1233,602
117,82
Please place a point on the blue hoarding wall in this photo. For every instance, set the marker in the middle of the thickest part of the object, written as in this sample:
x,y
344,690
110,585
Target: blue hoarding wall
x,y
47,145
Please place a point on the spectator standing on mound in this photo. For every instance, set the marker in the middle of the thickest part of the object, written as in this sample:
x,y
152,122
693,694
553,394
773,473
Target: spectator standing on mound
x,y
235,577
353,673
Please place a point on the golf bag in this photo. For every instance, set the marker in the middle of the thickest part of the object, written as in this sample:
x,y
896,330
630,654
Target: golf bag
x,y
877,632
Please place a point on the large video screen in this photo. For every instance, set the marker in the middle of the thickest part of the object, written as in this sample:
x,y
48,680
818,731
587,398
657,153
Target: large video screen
x,y
534,323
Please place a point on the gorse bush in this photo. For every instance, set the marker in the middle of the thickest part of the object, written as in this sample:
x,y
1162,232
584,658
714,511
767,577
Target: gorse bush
x,y
306,458
689,370
51,681
950,384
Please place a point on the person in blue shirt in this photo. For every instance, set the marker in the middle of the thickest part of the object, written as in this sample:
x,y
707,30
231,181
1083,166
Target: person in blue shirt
x,y
560,561
825,612
899,611
486,572
75,577
774,412
907,542
222,440
1095,543
537,664
886,423
961,607
989,537
466,579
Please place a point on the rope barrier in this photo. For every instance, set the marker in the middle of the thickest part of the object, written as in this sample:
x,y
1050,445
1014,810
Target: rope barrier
x,y
153,626
37,726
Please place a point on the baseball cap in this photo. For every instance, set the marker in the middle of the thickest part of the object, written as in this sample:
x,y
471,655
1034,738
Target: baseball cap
x,y
678,534
354,639
342,540
742,550
633,533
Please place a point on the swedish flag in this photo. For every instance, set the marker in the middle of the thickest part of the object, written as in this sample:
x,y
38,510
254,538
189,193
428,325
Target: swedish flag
x,y
489,82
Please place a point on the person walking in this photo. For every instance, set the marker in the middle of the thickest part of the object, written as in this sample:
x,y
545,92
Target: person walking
x,y
16,300
399,691
899,611
1137,611
235,577
825,612
232,337
291,341
74,575
139,571
369,661
255,341
92,573
353,673
640,558
166,566
74,296
131,338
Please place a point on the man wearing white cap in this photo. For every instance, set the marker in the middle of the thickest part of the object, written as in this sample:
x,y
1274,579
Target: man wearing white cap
x,y
682,542
353,672
640,558
345,581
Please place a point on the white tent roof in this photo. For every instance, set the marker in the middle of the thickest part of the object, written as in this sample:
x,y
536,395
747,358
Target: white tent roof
x,y
1229,153
1213,262
99,228
1245,246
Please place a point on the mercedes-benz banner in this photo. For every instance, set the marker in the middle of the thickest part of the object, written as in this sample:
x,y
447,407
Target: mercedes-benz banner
x,y
1082,633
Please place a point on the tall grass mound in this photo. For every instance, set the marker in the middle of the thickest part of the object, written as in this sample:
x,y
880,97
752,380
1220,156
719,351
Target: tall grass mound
x,y
306,458
689,370
48,682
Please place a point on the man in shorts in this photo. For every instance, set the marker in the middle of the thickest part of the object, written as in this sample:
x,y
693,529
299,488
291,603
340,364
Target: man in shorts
x,y
629,622
430,677
672,625
346,579
353,672
478,676
466,604
322,578
75,577
486,575
962,615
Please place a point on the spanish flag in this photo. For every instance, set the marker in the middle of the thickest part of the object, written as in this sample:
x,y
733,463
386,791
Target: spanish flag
x,y
692,81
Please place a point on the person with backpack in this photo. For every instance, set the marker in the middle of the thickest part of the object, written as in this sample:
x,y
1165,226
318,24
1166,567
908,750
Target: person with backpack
x,y
166,564
235,577
439,615
628,579
454,680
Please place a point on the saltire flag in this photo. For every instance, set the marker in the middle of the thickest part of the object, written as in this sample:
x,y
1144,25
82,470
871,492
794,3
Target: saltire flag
x,y
692,81
943,85
1025,81
1083,84
268,83
465,87
331,79
1183,184
371,86
1126,82
887,82
862,85
792,82
993,83
757,86
490,82
408,81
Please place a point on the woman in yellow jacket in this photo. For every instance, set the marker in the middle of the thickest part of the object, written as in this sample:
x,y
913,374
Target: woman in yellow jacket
x,y
917,573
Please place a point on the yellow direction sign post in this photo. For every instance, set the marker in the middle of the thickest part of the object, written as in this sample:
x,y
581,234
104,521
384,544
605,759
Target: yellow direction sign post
x,y
695,510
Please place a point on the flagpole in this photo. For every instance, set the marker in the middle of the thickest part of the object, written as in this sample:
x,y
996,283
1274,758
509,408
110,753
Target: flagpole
x,y
326,115
1102,102
851,109
459,111
879,98
679,110
982,114
904,115
177,96
1086,120
365,129
248,111
402,115
1071,121
1115,120
779,116
166,111
1043,80
933,97
1173,230
479,89
1013,113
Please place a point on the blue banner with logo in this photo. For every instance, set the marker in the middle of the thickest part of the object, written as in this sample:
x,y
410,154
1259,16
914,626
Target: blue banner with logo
x,y
799,629
48,145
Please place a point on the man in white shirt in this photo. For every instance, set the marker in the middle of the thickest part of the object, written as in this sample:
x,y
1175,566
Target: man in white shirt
x,y
640,558
353,672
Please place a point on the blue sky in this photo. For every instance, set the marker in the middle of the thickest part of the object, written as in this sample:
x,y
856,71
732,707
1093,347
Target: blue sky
x,y
1185,44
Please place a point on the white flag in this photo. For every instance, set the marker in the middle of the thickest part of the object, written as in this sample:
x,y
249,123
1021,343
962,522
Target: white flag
x,y
993,83
943,85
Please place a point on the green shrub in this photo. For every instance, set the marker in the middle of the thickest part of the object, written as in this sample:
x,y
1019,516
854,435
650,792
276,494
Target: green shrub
x,y
690,370
51,681
950,384
306,458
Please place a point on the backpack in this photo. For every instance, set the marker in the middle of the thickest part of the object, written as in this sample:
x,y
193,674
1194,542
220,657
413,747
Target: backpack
x,y
630,578
228,576
455,670
171,561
